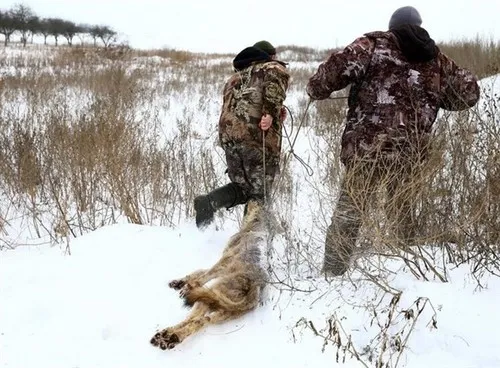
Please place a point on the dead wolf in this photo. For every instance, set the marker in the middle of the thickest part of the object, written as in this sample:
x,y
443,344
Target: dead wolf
x,y
239,278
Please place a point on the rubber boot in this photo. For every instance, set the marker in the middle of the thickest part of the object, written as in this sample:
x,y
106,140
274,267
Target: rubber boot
x,y
205,206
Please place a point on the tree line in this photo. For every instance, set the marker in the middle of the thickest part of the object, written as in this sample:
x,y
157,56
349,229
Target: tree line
x,y
22,20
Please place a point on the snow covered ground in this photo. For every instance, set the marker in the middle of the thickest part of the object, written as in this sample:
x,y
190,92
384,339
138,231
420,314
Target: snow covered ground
x,y
100,306
96,301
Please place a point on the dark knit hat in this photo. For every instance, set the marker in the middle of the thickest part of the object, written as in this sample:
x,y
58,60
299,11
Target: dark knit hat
x,y
250,55
266,47
405,15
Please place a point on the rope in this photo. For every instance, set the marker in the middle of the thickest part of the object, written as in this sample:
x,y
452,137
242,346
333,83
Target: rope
x,y
308,168
264,165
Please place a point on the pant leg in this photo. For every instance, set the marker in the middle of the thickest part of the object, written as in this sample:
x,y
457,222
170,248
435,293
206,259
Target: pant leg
x,y
246,167
356,190
403,190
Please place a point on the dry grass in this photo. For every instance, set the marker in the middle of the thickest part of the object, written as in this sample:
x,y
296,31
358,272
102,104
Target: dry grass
x,y
455,204
85,142
454,197
479,55
91,135
453,194
94,137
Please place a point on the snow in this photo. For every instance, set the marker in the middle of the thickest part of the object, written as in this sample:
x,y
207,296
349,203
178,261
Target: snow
x,y
490,96
99,306
97,300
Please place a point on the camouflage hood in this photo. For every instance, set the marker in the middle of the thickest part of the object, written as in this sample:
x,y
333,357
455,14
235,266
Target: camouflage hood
x,y
415,43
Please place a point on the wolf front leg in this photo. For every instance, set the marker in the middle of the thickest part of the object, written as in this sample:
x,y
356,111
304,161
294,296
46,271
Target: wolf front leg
x,y
173,336
170,337
200,277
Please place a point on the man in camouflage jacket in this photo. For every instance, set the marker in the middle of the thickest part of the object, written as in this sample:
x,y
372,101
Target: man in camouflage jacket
x,y
398,80
251,119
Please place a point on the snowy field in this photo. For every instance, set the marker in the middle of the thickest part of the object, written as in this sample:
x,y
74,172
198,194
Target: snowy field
x,y
96,301
100,306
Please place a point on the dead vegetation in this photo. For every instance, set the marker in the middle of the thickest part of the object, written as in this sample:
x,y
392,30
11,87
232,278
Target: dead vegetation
x,y
89,138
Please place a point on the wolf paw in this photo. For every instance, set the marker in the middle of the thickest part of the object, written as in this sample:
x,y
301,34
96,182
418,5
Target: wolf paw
x,y
185,290
177,284
188,286
165,340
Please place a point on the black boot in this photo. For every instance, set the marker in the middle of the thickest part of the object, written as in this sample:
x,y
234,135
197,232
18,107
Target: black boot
x,y
205,206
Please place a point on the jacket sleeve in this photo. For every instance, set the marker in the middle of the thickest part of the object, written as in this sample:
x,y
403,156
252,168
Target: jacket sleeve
x,y
459,87
275,86
341,69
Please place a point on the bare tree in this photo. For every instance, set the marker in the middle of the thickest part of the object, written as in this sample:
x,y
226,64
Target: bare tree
x,y
34,27
44,29
94,32
7,25
56,28
83,30
69,30
106,34
22,15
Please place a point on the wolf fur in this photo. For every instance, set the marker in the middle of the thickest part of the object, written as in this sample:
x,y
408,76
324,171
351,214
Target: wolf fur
x,y
239,278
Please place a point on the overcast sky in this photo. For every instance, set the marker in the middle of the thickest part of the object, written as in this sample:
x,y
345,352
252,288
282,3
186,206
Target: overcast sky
x,y
229,26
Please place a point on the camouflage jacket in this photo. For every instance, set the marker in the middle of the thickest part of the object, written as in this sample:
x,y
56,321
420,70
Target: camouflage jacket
x,y
397,89
248,94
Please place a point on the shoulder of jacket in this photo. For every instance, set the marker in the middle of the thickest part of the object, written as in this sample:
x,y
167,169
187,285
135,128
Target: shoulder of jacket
x,y
233,80
377,37
275,66
379,34
365,42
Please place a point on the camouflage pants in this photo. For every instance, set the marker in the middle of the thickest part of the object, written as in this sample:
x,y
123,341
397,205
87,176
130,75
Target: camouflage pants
x,y
361,181
245,167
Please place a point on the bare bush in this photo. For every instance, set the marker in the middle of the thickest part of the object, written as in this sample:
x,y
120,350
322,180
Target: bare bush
x,y
453,196
89,138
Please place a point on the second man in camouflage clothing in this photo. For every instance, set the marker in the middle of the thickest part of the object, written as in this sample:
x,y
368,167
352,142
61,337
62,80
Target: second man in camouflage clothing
x,y
399,80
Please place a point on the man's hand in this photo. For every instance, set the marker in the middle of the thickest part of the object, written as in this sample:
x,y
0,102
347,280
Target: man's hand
x,y
266,121
283,113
